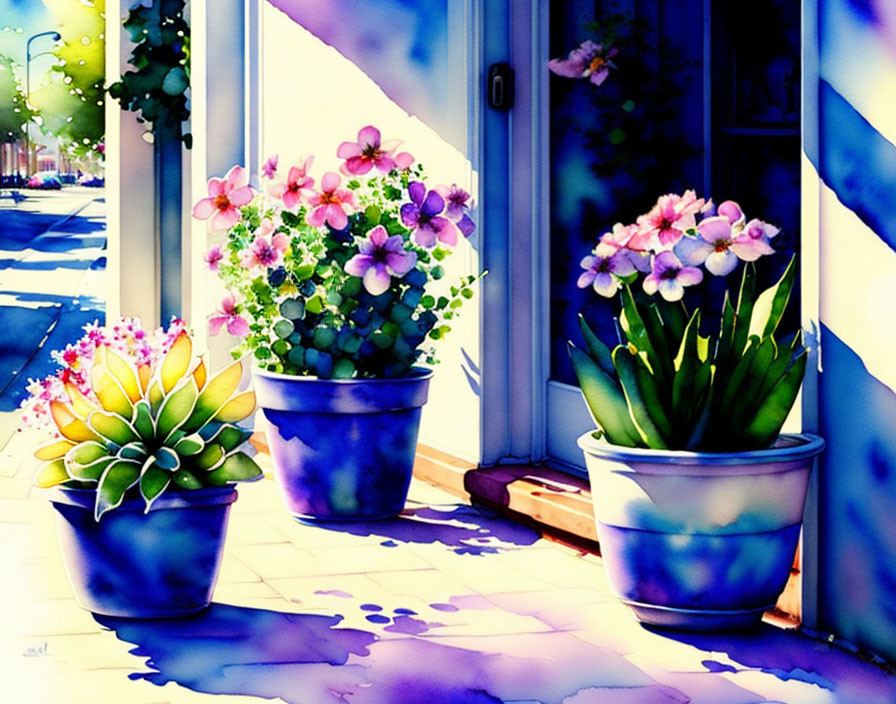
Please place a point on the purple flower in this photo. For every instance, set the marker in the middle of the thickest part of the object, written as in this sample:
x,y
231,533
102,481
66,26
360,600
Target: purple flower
x,y
720,246
270,166
588,60
603,269
424,216
670,276
456,208
213,256
379,258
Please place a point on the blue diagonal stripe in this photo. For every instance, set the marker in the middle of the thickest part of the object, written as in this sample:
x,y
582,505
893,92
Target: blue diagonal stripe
x,y
857,163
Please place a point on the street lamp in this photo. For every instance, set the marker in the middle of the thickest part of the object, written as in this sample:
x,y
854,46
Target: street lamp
x,y
56,37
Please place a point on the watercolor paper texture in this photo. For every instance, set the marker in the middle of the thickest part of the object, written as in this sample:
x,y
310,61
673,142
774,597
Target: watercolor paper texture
x,y
450,603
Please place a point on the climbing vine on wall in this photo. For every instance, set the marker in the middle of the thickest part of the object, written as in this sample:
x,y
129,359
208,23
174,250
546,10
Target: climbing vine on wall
x,y
157,89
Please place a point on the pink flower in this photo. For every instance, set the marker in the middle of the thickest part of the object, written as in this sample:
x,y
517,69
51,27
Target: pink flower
x,y
213,256
588,60
368,152
265,252
720,244
758,230
603,269
227,315
732,211
670,276
270,166
379,258
225,196
665,224
332,205
296,181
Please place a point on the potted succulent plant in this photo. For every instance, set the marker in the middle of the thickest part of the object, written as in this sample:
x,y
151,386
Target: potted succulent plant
x,y
329,288
698,498
143,459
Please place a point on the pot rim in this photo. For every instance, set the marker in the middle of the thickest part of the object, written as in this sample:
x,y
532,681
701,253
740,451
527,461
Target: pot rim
x,y
788,447
206,496
420,373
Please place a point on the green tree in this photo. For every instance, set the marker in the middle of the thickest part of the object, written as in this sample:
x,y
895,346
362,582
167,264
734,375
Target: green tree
x,y
13,111
71,106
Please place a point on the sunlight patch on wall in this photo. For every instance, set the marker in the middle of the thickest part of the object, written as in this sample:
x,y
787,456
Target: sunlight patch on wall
x,y
859,287
313,99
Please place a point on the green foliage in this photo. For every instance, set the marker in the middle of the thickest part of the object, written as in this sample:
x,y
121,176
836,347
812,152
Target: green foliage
x,y
176,432
308,316
13,112
157,89
669,387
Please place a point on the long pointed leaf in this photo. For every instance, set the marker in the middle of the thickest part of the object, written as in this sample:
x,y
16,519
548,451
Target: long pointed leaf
x,y
177,408
124,373
637,406
216,393
237,408
54,450
70,425
745,301
771,415
772,302
176,361
605,400
600,353
112,427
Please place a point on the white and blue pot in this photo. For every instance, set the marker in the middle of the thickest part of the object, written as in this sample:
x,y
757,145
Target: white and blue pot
x,y
696,540
343,449
136,564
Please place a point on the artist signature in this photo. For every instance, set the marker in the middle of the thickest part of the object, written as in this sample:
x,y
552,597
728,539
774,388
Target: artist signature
x,y
35,652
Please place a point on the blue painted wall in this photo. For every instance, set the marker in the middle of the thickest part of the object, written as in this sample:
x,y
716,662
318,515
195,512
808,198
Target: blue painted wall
x,y
850,141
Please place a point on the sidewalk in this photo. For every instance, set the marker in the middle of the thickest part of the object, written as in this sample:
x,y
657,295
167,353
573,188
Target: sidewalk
x,y
52,282
444,605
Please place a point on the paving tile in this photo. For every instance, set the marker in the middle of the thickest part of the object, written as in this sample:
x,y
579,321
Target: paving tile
x,y
335,592
357,560
53,617
555,567
480,572
273,561
431,585
244,593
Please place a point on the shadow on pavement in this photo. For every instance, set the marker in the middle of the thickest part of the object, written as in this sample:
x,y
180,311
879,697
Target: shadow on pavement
x,y
464,529
239,650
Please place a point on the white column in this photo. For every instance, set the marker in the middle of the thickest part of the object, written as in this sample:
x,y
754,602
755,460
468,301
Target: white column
x,y
132,253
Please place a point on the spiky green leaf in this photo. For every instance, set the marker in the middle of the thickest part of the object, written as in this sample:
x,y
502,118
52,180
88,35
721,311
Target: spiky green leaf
x,y
51,474
177,407
637,405
119,476
112,427
605,400
237,467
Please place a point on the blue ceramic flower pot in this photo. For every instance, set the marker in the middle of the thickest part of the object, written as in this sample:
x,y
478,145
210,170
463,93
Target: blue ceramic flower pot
x,y
132,564
343,449
699,541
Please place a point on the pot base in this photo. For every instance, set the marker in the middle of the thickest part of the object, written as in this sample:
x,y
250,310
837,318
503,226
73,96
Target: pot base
x,y
696,619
